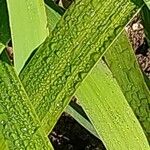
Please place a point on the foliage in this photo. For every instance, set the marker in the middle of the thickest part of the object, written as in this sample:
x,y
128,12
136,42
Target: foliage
x,y
30,106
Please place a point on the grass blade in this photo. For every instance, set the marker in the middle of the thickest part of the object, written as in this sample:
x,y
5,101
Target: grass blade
x,y
73,109
4,23
130,79
147,2
53,17
123,39
51,88
1,47
145,14
109,111
28,28
79,117
54,6
19,126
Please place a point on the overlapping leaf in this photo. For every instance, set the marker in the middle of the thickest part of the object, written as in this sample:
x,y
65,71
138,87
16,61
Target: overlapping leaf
x,y
4,23
69,53
19,125
123,64
56,70
147,2
28,28
1,47
109,111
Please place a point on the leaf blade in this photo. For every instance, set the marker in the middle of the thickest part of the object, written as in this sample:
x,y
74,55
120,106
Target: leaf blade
x,y
78,116
4,23
130,80
56,104
147,2
109,111
1,47
25,36
19,125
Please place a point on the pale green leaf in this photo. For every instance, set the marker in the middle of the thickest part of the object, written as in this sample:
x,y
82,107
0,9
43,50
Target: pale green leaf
x,y
75,114
1,47
28,28
108,110
124,40
147,2
122,62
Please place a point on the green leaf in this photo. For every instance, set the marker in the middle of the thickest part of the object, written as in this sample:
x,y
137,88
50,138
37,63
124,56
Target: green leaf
x,y
1,47
61,63
122,62
54,6
124,40
4,23
109,111
19,125
145,15
147,2
123,43
73,109
28,28
77,114
53,17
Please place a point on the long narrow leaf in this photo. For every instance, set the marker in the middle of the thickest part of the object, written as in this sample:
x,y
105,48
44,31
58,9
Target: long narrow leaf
x,y
1,47
69,53
75,114
123,64
19,126
145,15
79,117
147,2
72,109
28,27
52,16
4,23
108,110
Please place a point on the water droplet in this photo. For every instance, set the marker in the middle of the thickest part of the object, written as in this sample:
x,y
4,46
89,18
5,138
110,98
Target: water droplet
x,y
92,13
24,129
28,7
2,122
